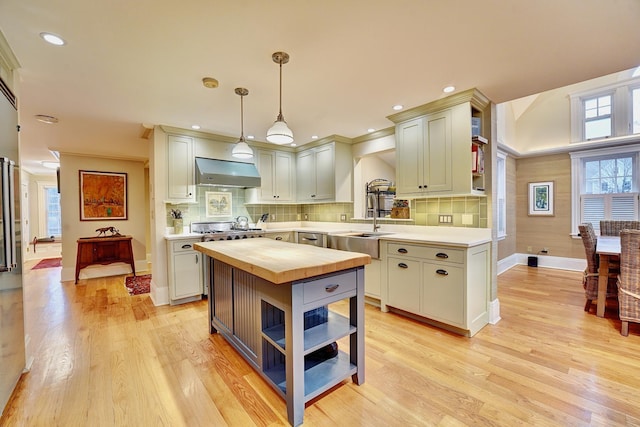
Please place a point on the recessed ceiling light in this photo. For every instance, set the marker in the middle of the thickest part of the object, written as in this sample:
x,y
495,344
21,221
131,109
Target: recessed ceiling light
x,y
46,119
51,165
449,89
52,38
293,144
314,136
250,136
371,130
398,107
195,127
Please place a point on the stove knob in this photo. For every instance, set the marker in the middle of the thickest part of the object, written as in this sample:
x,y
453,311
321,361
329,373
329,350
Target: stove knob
x,y
229,238
244,237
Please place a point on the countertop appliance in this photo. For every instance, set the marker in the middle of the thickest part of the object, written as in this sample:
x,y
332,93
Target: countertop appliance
x,y
12,356
223,230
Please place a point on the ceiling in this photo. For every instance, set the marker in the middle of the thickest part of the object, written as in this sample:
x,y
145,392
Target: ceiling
x,y
142,62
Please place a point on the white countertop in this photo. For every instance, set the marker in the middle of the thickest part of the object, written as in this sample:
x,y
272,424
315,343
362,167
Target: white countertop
x,y
455,236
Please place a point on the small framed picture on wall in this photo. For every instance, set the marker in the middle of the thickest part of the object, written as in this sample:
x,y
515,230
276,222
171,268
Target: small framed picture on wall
x,y
541,198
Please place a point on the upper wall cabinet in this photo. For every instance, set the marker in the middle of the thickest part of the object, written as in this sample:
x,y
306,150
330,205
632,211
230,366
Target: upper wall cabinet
x,y
436,154
325,173
277,173
180,163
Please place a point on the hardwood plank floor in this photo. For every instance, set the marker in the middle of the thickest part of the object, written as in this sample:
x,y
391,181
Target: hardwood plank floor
x,y
105,358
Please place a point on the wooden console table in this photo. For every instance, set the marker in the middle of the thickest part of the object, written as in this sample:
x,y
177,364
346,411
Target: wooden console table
x,y
104,250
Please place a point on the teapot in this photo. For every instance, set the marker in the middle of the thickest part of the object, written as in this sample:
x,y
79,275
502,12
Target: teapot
x,y
242,223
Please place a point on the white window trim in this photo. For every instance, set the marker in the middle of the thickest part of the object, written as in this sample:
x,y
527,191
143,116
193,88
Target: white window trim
x,y
577,176
620,114
503,156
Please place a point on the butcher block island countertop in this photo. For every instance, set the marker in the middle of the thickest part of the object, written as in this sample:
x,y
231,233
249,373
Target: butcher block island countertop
x,y
281,262
271,301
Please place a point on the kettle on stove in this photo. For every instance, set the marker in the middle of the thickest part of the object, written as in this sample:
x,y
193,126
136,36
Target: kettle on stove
x,y
241,223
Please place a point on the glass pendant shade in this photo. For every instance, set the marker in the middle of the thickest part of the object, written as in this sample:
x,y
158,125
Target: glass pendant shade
x,y
242,150
280,133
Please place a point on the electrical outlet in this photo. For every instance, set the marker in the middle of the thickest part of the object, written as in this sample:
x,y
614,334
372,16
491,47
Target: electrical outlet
x,y
298,217
529,249
343,217
545,250
446,219
273,217
306,217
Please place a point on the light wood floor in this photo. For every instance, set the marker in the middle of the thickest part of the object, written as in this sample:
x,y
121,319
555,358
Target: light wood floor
x,y
108,359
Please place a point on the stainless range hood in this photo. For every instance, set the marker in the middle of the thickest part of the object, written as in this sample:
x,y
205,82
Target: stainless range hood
x,y
226,173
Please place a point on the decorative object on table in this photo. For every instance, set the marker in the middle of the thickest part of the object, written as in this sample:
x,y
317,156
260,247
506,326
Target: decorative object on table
x,y
48,263
137,285
541,198
400,209
102,232
218,203
103,195
178,225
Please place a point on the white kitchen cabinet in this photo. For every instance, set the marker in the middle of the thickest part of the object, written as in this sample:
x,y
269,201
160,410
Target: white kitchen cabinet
x,y
447,286
372,279
424,155
325,173
180,174
434,147
185,272
277,173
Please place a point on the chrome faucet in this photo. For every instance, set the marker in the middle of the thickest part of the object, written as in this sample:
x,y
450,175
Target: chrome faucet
x,y
373,202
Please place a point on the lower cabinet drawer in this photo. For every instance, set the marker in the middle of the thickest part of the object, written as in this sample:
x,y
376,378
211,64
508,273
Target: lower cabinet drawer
x,y
327,287
427,253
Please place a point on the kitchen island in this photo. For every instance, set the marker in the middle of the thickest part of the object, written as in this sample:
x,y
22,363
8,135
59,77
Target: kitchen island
x,y
268,299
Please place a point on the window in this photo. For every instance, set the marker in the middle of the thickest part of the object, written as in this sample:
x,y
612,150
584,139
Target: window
x,y
50,223
597,117
611,111
501,195
635,110
605,185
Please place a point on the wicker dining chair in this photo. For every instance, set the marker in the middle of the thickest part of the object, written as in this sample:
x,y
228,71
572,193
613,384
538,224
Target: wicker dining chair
x,y
629,279
614,227
590,278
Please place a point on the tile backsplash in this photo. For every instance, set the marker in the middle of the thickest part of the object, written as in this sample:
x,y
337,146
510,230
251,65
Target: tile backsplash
x,y
425,211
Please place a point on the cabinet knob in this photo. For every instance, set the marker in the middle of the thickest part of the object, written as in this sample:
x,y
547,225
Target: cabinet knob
x,y
313,195
402,265
442,255
403,251
442,272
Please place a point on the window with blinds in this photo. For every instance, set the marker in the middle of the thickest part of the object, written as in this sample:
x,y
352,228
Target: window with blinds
x,y
596,207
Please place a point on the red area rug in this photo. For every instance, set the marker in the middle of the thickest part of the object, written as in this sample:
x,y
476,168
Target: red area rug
x,y
138,284
48,263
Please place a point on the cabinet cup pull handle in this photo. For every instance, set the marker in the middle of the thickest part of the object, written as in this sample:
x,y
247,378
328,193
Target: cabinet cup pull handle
x,y
311,239
402,265
331,288
278,238
403,251
186,246
442,255
442,272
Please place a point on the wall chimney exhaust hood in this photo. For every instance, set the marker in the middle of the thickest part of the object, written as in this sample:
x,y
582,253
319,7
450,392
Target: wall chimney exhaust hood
x,y
226,173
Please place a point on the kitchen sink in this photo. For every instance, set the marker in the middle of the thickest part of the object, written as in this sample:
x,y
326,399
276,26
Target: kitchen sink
x,y
362,242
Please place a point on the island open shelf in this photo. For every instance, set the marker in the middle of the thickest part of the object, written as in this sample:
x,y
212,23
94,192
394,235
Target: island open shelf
x,y
272,308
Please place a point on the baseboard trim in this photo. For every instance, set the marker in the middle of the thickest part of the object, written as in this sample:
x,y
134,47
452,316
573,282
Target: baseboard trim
x,y
547,261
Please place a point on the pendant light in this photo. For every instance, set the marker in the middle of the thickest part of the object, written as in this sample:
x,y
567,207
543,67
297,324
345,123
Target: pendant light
x,y
280,133
242,150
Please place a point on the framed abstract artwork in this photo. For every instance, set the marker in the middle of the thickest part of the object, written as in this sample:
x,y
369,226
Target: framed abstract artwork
x,y
541,198
103,195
